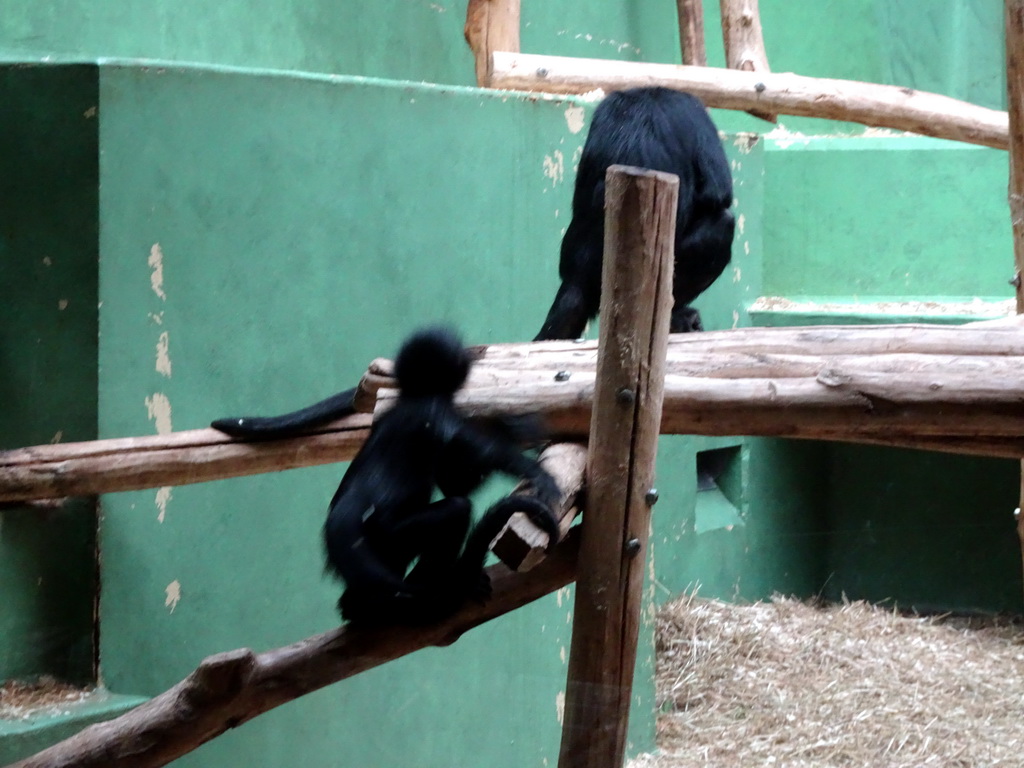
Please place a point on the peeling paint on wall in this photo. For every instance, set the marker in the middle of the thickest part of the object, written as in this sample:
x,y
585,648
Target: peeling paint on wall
x,y
156,264
163,495
158,408
741,223
560,707
173,595
575,117
62,305
163,359
554,167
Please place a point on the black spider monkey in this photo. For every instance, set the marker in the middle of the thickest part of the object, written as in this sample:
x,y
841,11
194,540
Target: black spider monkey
x,y
663,130
381,519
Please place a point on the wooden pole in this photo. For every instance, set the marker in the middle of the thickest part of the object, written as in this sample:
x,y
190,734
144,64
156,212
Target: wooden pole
x,y
691,32
1014,12
491,25
883,106
232,688
636,301
744,42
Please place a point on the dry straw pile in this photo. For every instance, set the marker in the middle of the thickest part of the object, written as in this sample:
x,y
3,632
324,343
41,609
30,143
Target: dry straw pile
x,y
790,684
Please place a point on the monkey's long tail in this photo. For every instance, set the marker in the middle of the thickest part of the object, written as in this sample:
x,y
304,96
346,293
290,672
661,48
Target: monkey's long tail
x,y
318,414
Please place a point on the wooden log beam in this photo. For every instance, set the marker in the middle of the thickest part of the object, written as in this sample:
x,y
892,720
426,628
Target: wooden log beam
x,y
744,42
522,544
232,688
181,458
1014,18
636,303
491,25
953,388
691,32
882,106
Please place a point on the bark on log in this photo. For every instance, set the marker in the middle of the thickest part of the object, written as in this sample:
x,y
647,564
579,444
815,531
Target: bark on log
x,y
232,688
1014,18
744,42
636,303
491,25
181,458
918,386
691,32
882,106
521,544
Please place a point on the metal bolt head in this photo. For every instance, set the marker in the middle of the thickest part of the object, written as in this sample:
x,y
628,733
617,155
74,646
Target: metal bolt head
x,y
625,396
633,547
651,497
542,72
562,376
760,87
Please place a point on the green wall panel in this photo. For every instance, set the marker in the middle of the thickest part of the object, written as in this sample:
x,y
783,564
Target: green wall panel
x,y
898,216
263,237
48,247
949,46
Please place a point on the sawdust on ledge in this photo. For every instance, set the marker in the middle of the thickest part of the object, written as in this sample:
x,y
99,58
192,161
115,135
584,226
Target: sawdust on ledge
x,y
20,700
790,684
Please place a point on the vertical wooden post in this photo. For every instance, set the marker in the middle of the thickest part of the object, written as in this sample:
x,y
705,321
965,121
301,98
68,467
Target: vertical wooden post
x,y
744,42
636,301
491,25
691,32
1014,11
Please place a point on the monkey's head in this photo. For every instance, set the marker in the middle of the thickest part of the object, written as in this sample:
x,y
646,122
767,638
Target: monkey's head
x,y
432,362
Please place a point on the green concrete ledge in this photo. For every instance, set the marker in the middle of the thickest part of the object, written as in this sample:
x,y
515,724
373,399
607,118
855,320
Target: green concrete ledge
x,y
869,310
24,737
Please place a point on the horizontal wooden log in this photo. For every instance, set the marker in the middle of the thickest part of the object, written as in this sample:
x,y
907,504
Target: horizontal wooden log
x,y
522,544
950,388
881,106
181,458
232,688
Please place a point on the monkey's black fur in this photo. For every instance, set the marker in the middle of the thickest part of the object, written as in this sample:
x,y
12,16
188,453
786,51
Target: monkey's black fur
x,y
663,130
381,518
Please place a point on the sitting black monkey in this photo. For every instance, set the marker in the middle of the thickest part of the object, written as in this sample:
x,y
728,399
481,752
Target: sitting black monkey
x,y
663,130
381,518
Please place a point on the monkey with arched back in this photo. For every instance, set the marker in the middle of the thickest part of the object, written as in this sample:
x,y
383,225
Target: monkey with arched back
x,y
663,130
382,521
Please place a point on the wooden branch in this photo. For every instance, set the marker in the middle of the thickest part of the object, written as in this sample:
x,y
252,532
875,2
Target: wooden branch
x,y
232,688
181,458
522,544
691,32
491,25
1014,11
953,388
883,106
744,42
1014,18
636,303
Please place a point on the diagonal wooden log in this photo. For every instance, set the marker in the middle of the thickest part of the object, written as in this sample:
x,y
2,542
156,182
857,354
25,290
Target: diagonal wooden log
x,y
1014,19
744,42
521,544
881,106
232,688
691,32
491,25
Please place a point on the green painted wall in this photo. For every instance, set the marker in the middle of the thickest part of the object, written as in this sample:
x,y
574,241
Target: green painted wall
x,y
899,216
48,249
949,46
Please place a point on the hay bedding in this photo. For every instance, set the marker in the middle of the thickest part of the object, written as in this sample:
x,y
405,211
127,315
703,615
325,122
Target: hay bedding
x,y
790,684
